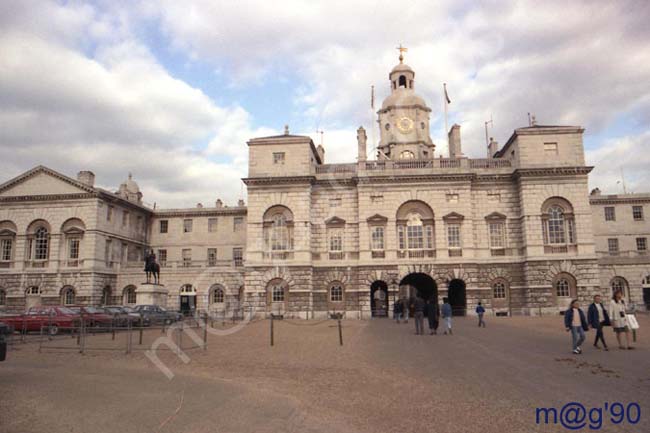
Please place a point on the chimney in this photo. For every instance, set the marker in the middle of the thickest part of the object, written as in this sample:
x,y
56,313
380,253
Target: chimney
x,y
454,142
362,139
241,203
86,177
219,204
321,153
493,147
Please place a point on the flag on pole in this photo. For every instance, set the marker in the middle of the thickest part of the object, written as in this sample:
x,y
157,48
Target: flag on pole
x,y
446,94
372,97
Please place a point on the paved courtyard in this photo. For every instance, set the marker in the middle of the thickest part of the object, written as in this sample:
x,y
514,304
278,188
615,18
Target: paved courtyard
x,y
383,379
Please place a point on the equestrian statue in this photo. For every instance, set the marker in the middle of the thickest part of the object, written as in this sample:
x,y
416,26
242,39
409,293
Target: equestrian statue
x,y
152,268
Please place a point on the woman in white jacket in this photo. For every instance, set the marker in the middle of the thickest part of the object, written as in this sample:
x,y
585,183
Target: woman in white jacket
x,y
619,320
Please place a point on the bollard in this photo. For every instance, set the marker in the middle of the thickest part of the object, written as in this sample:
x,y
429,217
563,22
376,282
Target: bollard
x,y
141,327
128,338
205,332
634,335
340,333
82,333
79,332
180,336
24,330
49,326
271,329
113,326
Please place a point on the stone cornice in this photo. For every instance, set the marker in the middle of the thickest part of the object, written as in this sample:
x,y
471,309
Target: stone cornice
x,y
415,178
252,181
552,171
49,197
618,200
201,212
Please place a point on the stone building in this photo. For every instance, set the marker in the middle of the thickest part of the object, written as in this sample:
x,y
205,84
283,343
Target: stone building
x,y
517,230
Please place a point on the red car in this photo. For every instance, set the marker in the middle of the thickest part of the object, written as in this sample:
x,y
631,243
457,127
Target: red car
x,y
93,316
52,319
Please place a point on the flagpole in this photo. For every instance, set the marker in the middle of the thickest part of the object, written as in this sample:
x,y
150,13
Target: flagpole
x,y
444,96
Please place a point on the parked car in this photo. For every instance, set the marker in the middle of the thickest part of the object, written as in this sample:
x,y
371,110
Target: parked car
x,y
93,316
51,318
157,314
4,330
124,315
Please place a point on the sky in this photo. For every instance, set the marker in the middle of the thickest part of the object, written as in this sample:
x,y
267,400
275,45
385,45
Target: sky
x,y
171,90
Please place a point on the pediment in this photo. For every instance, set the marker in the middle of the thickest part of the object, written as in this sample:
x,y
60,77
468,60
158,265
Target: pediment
x,y
335,221
495,216
42,181
377,219
453,216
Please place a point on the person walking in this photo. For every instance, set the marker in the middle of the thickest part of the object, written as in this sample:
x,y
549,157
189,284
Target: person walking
x,y
433,314
398,307
598,317
418,313
576,323
617,313
446,315
480,311
406,309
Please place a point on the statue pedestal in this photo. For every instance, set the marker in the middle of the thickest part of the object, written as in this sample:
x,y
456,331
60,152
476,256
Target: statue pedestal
x,y
151,294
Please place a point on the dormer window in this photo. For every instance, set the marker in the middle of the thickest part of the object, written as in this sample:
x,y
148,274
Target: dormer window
x,y
406,154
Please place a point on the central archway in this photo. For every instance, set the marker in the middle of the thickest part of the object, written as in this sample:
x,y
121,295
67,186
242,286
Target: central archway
x,y
424,286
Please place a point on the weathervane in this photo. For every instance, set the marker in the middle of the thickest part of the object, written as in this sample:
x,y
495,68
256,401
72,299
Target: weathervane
x,y
401,51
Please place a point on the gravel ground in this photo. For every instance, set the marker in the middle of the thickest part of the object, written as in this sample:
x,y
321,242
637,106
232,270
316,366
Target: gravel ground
x,y
383,379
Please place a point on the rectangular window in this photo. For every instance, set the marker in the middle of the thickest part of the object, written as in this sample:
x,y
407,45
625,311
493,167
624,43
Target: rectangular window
x,y
453,235
637,213
237,223
73,248
238,256
125,219
162,257
494,197
336,240
497,235
550,148
125,251
187,225
335,202
186,255
612,246
138,224
400,238
610,213
212,257
6,247
109,213
164,226
429,232
452,198
377,239
108,252
278,157
641,244
377,199
415,236
212,225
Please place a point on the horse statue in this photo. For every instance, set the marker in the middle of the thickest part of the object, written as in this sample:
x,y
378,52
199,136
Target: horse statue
x,y
152,268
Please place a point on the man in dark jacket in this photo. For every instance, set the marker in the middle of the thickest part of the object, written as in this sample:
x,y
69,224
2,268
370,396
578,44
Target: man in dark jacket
x,y
433,313
598,317
575,321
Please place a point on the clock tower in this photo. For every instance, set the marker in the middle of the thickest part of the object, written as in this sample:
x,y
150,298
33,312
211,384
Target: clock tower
x,y
404,118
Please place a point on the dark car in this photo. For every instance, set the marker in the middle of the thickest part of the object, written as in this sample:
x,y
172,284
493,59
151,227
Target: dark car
x,y
93,316
157,314
124,315
50,318
4,330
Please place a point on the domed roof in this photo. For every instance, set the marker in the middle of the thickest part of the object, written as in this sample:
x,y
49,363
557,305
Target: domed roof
x,y
402,67
130,185
402,97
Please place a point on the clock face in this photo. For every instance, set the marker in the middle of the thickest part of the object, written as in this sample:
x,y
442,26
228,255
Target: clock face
x,y
405,125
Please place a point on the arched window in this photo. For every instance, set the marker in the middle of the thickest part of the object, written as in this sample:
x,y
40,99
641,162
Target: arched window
x,y
402,81
217,295
558,224
8,232
415,229
129,296
562,288
336,293
278,229
3,297
619,283
68,296
499,289
41,243
277,294
406,154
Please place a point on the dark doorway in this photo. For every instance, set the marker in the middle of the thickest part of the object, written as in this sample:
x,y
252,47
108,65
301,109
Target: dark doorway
x,y
425,287
457,297
188,305
379,299
646,297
